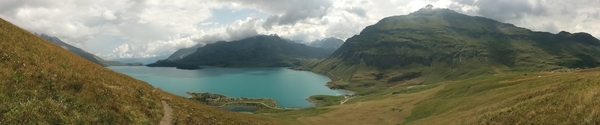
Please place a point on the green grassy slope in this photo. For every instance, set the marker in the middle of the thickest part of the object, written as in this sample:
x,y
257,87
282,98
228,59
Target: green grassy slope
x,y
540,98
41,83
510,98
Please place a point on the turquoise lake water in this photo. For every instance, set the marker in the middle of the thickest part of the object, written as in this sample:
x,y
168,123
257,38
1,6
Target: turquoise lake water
x,y
289,88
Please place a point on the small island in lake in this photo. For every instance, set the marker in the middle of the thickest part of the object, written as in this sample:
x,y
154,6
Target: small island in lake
x,y
224,101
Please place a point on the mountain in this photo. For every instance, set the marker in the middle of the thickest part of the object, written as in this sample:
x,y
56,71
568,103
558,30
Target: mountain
x,y
441,44
327,43
42,83
147,60
179,54
85,54
257,51
78,51
437,66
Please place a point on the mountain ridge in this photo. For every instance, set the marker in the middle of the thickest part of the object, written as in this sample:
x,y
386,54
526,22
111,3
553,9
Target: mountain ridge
x,y
84,54
78,51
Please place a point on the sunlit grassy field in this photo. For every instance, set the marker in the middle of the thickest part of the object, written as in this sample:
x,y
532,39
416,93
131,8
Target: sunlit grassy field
x,y
507,98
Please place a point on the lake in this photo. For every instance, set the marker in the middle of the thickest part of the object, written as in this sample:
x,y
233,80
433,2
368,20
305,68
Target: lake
x,y
289,88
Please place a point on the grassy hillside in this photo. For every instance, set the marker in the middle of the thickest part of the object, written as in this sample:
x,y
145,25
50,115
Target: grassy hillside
x,y
506,98
539,98
41,83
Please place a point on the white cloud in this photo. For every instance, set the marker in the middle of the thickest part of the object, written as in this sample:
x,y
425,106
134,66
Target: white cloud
x,y
109,15
144,28
208,23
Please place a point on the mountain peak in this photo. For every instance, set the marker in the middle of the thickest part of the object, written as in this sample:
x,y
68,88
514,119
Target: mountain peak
x,y
431,10
429,6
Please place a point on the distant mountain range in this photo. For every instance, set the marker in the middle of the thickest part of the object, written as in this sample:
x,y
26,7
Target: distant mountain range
x,y
257,51
85,54
327,43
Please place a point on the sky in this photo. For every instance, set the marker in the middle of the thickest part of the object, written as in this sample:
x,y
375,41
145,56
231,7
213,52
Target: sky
x,y
115,29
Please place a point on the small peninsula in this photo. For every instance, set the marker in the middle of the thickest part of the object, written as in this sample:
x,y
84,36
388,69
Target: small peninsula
x,y
219,100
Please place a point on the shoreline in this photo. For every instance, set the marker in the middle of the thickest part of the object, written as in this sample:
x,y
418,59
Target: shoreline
x,y
349,94
226,101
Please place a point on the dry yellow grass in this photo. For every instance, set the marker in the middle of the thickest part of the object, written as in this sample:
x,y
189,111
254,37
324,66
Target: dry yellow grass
x,y
541,98
41,83
508,98
390,110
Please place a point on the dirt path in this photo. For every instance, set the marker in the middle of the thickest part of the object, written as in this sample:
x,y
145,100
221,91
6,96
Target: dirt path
x,y
166,119
346,98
